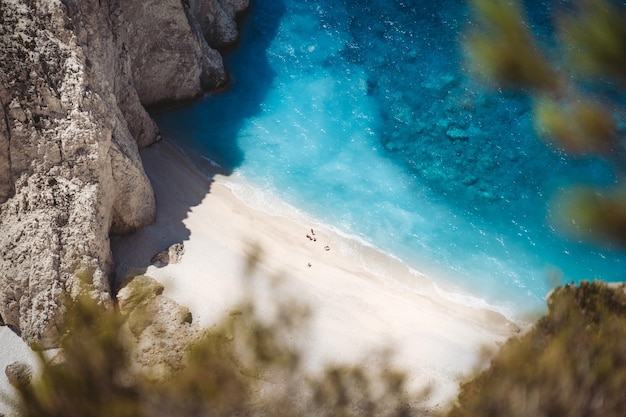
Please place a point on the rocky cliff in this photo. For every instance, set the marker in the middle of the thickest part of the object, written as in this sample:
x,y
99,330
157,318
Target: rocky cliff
x,y
75,76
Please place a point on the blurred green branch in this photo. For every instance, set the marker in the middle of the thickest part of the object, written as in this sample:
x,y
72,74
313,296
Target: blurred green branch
x,y
593,46
246,365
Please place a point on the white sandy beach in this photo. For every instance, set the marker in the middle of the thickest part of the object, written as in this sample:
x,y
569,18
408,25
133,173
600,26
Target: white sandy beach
x,y
354,310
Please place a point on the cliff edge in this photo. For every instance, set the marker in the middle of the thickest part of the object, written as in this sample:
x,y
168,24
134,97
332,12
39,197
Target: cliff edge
x,y
74,79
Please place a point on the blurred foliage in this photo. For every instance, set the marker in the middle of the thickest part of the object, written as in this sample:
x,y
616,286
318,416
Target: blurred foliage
x,y
90,377
588,209
591,48
579,128
505,48
246,365
596,39
571,364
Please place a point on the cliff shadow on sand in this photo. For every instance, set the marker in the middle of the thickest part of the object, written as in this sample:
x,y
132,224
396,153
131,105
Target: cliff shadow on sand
x,y
168,171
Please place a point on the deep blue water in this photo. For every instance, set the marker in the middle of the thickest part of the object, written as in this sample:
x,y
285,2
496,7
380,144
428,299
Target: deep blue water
x,y
361,114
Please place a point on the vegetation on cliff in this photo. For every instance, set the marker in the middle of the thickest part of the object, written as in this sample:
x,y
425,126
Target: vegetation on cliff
x,y
149,359
571,364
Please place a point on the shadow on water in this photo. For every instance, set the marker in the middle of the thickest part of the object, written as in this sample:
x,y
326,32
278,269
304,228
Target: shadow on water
x,y
208,127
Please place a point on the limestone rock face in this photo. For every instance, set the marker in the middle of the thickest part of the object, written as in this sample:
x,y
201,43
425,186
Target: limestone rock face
x,y
156,64
217,19
73,75
171,46
59,135
160,328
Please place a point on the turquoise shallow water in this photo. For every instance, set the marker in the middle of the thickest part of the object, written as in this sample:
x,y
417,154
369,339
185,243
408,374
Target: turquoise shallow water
x,y
360,113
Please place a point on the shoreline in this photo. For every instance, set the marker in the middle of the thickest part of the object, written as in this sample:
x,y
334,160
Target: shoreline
x,y
361,300
269,203
369,253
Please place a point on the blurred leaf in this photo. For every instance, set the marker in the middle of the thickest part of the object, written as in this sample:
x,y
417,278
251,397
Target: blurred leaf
x,y
596,38
587,213
246,365
94,376
504,50
580,127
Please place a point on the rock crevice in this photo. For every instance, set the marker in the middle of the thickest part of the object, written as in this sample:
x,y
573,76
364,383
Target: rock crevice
x,y
6,182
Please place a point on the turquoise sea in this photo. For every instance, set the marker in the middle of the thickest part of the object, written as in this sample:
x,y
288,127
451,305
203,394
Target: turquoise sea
x,y
361,113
